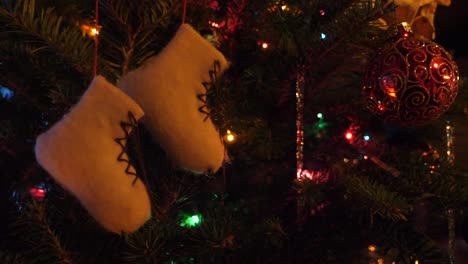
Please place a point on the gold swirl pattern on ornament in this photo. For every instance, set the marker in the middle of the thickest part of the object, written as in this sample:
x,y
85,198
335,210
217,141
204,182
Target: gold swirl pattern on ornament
x,y
416,55
442,72
434,50
410,43
391,59
420,73
437,96
430,112
415,97
394,78
452,94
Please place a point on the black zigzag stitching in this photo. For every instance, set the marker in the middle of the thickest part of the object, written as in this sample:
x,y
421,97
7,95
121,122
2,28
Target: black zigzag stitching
x,y
123,142
208,85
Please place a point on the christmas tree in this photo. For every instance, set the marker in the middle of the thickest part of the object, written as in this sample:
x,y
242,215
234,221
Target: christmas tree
x,y
240,131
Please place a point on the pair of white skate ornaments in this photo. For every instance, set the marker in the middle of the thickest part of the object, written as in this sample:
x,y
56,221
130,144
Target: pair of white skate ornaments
x,y
85,151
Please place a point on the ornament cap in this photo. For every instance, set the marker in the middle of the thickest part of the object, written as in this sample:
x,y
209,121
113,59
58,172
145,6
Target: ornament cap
x,y
403,30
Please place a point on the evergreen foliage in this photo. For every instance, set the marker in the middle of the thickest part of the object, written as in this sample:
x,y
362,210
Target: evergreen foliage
x,y
249,209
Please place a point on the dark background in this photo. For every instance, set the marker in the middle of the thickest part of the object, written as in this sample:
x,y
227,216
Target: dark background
x,y
451,24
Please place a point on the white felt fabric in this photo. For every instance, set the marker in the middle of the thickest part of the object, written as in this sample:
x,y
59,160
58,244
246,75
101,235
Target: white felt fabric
x,y
166,87
80,153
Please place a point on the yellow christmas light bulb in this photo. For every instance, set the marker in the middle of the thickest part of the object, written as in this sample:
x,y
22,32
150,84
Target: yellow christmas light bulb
x,y
230,137
90,30
94,31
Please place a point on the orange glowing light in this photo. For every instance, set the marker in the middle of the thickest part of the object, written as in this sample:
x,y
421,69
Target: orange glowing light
x,y
389,86
391,91
86,27
372,248
436,65
214,24
446,77
229,136
90,30
366,157
264,45
349,135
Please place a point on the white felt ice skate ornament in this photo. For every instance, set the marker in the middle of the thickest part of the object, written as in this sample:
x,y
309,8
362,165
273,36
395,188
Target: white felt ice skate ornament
x,y
168,86
85,153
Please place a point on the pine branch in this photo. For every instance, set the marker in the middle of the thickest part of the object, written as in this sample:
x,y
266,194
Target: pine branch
x,y
128,41
22,84
434,179
377,199
51,37
216,235
403,244
313,191
148,245
33,226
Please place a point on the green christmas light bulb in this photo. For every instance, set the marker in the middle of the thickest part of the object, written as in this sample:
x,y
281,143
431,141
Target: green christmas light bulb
x,y
192,221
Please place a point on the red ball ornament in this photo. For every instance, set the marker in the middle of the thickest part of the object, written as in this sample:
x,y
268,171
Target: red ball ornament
x,y
411,81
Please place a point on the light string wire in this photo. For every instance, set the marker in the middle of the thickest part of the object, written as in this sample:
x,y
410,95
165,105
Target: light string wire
x,y
96,41
299,123
185,12
449,129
